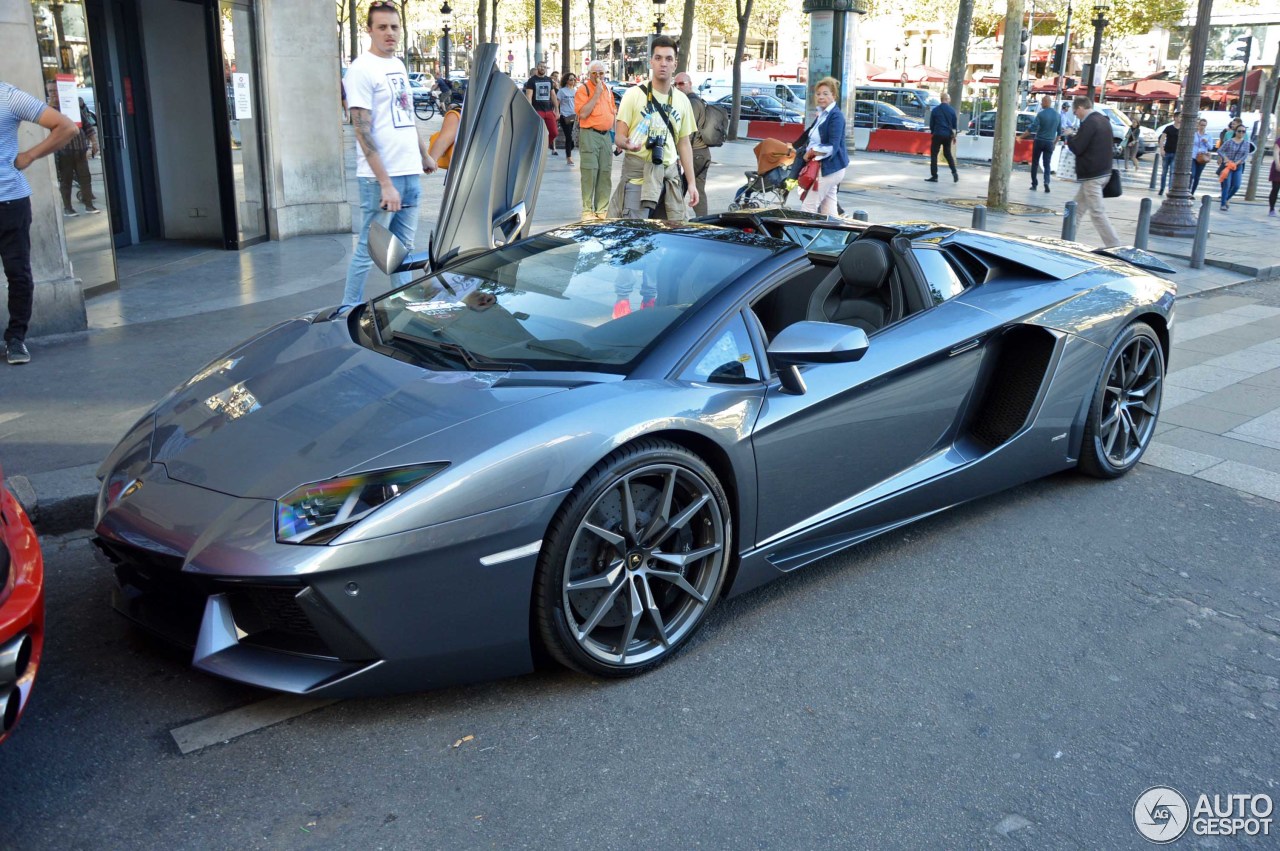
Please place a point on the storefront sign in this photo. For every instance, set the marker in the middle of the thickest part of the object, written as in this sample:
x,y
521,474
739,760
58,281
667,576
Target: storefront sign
x,y
243,99
68,100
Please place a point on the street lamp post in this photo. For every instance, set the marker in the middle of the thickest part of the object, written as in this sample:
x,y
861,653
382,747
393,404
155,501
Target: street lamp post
x,y
657,23
1099,24
445,46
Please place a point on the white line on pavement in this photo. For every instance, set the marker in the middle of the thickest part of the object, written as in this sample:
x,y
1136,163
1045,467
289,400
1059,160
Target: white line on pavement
x,y
246,719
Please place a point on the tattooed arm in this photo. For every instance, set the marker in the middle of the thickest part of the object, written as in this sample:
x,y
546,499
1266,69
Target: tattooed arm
x,y
362,121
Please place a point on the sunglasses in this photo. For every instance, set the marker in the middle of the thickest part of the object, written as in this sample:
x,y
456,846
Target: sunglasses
x,y
384,4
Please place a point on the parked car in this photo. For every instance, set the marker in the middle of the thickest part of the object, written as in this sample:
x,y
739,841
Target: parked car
x,y
985,123
916,103
791,94
580,441
21,609
762,108
875,114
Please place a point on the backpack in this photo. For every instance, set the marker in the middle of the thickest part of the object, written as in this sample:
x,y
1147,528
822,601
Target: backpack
x,y
715,121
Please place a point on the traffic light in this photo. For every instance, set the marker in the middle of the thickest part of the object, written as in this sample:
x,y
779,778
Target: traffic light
x,y
1024,47
1059,63
1242,47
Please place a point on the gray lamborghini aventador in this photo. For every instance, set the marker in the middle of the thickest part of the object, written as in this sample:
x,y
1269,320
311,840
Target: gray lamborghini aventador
x,y
579,441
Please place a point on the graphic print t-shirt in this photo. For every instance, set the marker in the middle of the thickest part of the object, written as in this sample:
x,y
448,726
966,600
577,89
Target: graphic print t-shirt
x,y
382,87
644,122
541,88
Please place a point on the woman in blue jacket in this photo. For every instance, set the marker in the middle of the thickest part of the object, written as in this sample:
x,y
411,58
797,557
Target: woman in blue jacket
x,y
827,143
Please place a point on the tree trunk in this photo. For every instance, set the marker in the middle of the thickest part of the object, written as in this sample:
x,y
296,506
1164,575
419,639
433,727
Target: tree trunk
x,y
537,32
1006,109
960,54
1179,212
565,65
482,20
493,25
686,37
354,45
744,19
591,17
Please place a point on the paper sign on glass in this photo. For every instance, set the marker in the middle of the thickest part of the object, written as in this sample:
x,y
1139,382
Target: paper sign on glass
x,y
68,99
243,102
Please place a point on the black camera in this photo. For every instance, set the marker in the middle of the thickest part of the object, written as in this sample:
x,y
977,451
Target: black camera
x,y
656,144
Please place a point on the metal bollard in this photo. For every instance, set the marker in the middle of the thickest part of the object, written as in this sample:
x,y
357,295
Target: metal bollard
x,y
979,217
1144,224
1202,233
1157,160
862,215
1069,222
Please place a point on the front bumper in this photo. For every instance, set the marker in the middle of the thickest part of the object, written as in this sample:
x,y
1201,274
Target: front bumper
x,y
400,613
21,609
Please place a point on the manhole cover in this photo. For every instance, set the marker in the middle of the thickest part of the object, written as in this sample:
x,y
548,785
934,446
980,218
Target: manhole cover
x,y
1013,209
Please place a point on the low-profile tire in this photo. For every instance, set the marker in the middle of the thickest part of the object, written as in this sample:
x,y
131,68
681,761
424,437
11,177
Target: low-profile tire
x,y
633,561
1126,404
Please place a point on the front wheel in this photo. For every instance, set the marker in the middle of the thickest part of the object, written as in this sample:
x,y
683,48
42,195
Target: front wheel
x,y
633,561
1126,404
425,110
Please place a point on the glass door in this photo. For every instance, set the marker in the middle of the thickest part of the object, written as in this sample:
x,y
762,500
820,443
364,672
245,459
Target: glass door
x,y
246,222
72,88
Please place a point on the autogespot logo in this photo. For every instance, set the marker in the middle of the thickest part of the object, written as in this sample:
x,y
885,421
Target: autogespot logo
x,y
1160,814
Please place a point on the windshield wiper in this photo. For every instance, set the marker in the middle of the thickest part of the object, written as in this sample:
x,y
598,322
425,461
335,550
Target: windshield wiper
x,y
460,354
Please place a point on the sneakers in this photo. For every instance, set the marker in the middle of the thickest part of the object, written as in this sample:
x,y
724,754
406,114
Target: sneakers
x,y
17,352
955,178
1271,214
648,303
89,208
931,180
554,152
68,213
1035,186
621,308
568,160
1224,208
1046,187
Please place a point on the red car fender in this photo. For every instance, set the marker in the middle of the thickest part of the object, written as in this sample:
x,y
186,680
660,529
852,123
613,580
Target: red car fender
x,y
21,596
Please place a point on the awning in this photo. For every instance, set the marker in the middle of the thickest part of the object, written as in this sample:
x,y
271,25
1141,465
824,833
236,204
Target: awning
x,y
915,74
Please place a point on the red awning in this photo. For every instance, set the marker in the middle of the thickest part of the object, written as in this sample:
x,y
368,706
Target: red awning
x,y
916,74
1041,55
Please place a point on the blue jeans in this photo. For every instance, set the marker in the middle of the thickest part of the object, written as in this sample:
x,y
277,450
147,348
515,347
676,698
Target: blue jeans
x,y
1041,152
1231,185
1196,170
1165,166
402,224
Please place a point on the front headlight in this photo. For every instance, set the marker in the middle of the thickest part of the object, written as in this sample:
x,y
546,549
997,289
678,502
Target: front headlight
x,y
317,513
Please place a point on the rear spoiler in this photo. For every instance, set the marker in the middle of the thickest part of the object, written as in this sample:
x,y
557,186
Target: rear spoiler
x,y
1137,257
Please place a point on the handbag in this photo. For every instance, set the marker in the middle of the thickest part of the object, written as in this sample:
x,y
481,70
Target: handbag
x,y
809,174
1203,157
1113,188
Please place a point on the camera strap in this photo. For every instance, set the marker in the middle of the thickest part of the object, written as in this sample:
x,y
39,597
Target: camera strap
x,y
662,112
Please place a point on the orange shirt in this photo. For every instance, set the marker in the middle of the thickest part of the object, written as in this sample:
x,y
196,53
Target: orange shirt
x,y
601,118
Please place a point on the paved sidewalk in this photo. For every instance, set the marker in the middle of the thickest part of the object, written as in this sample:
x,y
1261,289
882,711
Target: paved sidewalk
x,y
178,306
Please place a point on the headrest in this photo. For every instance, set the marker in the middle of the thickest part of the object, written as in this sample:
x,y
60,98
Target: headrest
x,y
864,266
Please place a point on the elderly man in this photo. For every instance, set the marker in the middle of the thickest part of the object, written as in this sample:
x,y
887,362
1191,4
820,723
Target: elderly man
x,y
596,113
1092,146
701,153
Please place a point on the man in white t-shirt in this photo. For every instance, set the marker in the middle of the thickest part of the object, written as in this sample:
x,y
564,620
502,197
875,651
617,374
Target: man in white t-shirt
x,y
390,155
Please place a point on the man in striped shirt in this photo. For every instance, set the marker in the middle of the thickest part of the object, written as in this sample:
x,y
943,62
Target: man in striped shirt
x,y
16,106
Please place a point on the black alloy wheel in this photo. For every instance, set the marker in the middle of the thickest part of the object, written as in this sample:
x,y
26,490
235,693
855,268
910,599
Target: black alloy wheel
x,y
634,560
1126,404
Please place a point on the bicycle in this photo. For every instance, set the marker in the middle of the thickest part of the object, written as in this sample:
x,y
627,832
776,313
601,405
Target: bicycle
x,y
425,108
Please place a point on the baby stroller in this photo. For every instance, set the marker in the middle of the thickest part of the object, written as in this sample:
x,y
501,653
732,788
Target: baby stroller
x,y
768,185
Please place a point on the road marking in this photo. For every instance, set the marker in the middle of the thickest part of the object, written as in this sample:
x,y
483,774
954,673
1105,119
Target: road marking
x,y
4,418
246,719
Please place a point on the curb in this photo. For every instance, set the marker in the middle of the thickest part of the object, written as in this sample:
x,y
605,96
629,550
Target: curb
x,y
59,501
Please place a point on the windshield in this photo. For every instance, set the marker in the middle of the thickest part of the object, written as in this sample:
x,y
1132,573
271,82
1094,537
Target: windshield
x,y
577,299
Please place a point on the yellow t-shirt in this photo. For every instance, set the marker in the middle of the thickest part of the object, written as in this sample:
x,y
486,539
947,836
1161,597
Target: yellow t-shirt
x,y
642,119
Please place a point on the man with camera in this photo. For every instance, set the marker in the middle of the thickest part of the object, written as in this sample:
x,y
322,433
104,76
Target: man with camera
x,y
654,126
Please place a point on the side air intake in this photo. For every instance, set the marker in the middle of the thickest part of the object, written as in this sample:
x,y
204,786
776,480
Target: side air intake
x,y
1022,357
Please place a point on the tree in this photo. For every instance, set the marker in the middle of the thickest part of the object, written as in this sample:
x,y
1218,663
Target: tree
x,y
564,39
743,9
482,19
1006,110
686,37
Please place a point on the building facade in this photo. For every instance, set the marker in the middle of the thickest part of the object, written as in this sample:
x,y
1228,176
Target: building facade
x,y
214,122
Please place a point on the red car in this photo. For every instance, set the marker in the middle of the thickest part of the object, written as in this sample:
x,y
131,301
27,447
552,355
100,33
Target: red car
x,y
21,609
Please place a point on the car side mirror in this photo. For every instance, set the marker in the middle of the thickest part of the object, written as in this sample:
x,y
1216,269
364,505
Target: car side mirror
x,y
814,342
385,249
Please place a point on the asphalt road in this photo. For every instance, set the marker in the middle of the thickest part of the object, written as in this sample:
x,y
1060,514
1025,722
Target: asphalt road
x,y
1014,672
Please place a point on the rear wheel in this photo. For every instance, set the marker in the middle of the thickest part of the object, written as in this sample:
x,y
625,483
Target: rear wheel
x,y
1126,404
634,560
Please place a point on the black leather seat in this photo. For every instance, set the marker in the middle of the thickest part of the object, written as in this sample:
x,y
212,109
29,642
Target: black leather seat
x,y
857,291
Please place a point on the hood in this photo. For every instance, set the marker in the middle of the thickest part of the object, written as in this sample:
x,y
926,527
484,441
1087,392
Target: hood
x,y
305,403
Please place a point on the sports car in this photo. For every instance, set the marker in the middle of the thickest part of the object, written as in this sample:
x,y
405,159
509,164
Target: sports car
x,y
21,609
571,445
